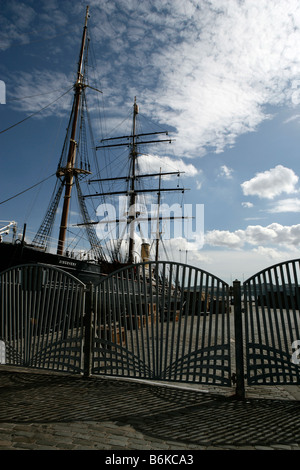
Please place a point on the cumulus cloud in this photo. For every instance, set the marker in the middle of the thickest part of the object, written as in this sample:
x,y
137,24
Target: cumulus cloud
x,y
271,183
155,163
225,238
225,172
286,205
273,234
270,253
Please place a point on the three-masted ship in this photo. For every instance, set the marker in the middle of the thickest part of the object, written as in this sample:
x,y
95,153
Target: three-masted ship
x,y
97,260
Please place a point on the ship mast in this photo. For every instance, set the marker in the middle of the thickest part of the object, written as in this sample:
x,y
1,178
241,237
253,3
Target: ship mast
x,y
133,192
132,208
69,171
157,229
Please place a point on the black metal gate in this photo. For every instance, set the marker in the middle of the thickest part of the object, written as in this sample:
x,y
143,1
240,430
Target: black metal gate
x,y
156,320
162,321
41,318
272,325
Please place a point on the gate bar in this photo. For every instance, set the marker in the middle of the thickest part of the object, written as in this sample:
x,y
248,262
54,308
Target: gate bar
x,y
238,332
88,336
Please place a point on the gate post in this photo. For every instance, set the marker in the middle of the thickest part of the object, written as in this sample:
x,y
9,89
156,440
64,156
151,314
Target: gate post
x,y
87,323
238,333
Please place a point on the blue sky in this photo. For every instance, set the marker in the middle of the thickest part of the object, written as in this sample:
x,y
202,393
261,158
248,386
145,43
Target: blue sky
x,y
224,75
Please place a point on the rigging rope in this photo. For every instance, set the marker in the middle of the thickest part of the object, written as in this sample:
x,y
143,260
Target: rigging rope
x,y
25,190
36,112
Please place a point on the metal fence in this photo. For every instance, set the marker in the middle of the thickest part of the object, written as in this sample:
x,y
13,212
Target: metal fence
x,y
163,321
271,325
156,320
41,320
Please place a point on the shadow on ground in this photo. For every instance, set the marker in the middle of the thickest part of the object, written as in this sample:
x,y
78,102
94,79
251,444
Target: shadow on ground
x,y
160,412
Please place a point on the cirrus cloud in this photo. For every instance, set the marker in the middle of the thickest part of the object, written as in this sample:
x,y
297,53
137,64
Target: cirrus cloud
x,y
208,68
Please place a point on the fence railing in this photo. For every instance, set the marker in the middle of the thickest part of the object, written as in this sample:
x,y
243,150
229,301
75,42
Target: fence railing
x,y
162,321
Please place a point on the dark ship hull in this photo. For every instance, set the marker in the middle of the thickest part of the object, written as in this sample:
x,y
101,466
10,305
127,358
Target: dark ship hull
x,y
15,254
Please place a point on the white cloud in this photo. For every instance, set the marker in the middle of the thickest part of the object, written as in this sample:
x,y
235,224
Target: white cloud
x,y
286,205
153,163
271,253
292,118
207,68
271,235
227,265
225,172
225,238
231,59
271,183
247,204
31,95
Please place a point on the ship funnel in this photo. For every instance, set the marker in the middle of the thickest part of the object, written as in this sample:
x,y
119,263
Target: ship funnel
x,y
145,252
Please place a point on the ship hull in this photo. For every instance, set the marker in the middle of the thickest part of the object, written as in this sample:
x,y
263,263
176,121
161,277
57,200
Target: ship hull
x,y
14,254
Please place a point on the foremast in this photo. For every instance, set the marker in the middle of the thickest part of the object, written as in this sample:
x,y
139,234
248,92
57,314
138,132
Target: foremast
x,y
69,171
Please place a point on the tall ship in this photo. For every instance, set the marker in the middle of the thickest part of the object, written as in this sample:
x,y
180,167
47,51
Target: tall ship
x,y
122,199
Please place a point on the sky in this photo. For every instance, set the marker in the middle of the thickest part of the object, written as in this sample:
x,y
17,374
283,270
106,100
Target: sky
x,y
222,75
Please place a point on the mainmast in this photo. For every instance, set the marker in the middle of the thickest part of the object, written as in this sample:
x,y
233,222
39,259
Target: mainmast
x,y
69,171
135,141
157,227
132,206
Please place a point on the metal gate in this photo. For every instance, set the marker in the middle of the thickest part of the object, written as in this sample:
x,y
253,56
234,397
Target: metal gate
x,y
41,318
272,325
162,321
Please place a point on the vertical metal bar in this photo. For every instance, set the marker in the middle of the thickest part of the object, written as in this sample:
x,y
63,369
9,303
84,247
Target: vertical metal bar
x,y
126,324
254,327
204,324
88,334
177,290
35,320
192,345
216,319
268,332
171,317
282,305
291,315
153,299
238,330
164,286
19,312
133,303
198,325
149,315
185,337
179,329
119,321
128,306
140,299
